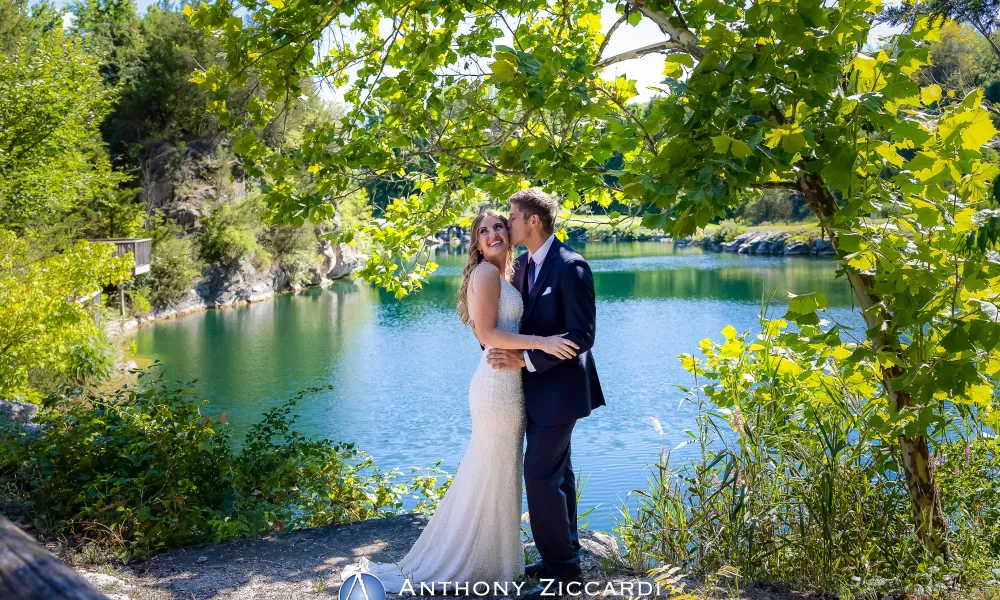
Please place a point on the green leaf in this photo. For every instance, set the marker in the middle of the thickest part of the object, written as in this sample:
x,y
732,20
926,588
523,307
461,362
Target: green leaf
x,y
740,149
721,143
802,308
957,340
930,94
680,58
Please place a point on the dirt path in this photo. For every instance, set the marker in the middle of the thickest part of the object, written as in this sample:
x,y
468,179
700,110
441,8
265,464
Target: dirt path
x,y
307,564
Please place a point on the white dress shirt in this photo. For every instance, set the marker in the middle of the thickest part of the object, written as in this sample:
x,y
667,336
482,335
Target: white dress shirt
x,y
539,258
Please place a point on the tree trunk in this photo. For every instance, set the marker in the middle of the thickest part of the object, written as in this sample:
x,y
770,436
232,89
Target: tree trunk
x,y
925,506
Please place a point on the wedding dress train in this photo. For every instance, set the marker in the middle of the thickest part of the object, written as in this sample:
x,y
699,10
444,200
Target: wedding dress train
x,y
475,533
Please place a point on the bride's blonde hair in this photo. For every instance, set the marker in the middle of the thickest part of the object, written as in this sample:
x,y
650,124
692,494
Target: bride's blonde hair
x,y
476,257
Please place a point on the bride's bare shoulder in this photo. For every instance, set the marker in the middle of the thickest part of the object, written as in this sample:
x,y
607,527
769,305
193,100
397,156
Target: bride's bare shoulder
x,y
486,271
486,278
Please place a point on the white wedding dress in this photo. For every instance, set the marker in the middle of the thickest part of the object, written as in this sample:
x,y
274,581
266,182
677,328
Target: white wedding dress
x,y
475,533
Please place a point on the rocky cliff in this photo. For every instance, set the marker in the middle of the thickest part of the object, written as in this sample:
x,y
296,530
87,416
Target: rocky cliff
x,y
180,182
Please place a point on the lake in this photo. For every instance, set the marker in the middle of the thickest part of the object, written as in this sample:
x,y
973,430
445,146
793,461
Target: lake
x,y
400,369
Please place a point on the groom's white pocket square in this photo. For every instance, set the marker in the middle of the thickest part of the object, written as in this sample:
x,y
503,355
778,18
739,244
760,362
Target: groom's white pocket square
x,y
547,291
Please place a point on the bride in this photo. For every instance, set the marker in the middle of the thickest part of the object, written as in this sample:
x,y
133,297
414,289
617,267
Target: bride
x,y
475,533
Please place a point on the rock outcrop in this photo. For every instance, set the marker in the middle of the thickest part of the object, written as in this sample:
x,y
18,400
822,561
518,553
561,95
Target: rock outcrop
x,y
18,414
180,181
771,243
223,286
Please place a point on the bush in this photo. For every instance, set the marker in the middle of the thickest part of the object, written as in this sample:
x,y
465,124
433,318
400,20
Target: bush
x,y
294,248
774,206
230,232
87,361
795,483
728,230
145,469
138,303
174,268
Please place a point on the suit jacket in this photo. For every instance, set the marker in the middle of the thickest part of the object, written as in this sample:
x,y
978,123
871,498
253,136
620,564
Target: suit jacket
x,y
562,300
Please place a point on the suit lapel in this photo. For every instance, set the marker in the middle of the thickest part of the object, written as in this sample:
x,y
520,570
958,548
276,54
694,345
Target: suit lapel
x,y
542,275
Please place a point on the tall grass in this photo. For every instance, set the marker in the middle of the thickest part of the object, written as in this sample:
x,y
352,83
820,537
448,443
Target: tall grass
x,y
793,486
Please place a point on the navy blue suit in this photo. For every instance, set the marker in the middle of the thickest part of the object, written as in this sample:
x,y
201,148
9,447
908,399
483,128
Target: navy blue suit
x,y
556,394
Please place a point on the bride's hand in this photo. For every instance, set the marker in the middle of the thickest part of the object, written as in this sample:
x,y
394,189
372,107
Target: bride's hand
x,y
557,345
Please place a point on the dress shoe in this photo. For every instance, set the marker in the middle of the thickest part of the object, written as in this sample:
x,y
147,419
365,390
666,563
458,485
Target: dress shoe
x,y
536,569
550,587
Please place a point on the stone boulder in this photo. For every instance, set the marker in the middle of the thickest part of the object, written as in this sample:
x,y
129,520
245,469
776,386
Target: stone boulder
x,y
17,412
823,248
228,285
797,248
338,260
18,415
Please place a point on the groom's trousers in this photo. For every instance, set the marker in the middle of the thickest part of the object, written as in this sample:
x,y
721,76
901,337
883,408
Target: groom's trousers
x,y
551,488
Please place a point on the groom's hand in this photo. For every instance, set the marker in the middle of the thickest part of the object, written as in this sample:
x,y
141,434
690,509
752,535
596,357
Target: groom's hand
x,y
505,359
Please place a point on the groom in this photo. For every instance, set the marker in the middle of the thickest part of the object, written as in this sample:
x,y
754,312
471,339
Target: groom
x,y
558,292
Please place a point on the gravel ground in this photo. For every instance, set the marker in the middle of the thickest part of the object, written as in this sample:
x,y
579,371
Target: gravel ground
x,y
306,565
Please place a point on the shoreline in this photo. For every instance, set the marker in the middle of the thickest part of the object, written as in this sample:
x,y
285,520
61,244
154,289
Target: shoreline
x,y
777,242
118,327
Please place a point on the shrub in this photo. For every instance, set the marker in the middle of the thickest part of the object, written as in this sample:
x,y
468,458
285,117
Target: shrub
x,y
795,482
138,303
230,232
145,468
174,268
728,229
294,248
89,360
770,206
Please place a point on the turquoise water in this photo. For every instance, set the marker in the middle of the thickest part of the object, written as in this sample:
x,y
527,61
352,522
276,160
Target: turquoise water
x,y
400,369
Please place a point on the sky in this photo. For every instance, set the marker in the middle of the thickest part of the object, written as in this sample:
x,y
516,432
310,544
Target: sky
x,y
647,70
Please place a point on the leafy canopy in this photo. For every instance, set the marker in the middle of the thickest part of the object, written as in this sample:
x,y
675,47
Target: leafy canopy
x,y
52,101
768,94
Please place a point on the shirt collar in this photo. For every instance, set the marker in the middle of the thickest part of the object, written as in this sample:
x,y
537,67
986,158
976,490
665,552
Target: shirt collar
x,y
539,255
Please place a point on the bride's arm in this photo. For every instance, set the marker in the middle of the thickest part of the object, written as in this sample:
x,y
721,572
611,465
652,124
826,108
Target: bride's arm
x,y
485,303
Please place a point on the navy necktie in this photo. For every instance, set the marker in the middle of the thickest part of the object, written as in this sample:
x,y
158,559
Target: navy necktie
x,y
531,275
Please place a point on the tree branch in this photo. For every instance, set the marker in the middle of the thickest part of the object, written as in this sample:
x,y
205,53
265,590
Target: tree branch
x,y
607,37
650,49
681,35
772,185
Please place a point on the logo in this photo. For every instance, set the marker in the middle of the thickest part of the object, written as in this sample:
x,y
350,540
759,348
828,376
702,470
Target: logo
x,y
362,586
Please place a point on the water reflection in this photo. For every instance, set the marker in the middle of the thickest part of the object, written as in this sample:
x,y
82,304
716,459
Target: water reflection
x,y
400,369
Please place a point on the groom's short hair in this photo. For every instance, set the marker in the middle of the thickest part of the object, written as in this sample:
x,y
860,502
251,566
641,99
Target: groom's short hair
x,y
534,201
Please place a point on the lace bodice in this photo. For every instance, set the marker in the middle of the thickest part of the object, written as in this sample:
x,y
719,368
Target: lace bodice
x,y
509,309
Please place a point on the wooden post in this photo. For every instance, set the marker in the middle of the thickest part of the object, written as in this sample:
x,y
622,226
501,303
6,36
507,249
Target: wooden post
x,y
30,572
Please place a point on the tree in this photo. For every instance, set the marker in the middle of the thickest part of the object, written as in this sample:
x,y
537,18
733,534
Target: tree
x,y
45,324
111,29
52,164
983,15
159,102
52,100
960,60
19,21
775,94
